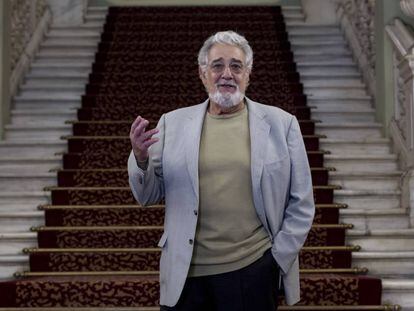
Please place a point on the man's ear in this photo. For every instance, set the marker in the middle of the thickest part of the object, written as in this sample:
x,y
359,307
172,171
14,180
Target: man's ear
x,y
201,73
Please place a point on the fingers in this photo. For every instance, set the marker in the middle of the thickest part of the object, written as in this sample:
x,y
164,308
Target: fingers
x,y
141,140
139,125
146,144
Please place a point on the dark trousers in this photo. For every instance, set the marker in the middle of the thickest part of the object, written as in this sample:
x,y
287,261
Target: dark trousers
x,y
251,288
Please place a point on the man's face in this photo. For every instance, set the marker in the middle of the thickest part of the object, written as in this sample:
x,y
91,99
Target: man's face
x,y
226,75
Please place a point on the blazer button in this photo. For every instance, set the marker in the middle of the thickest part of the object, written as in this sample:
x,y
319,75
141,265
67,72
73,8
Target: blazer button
x,y
195,212
190,241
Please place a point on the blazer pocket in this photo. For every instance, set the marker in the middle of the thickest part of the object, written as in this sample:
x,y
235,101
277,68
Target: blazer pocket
x,y
163,239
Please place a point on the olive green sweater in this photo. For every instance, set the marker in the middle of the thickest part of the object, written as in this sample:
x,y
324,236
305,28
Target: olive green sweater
x,y
229,234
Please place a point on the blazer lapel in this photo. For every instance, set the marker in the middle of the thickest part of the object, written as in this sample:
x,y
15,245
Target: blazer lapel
x,y
193,129
259,133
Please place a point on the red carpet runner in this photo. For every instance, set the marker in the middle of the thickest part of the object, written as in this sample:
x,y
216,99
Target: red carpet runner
x,y
100,245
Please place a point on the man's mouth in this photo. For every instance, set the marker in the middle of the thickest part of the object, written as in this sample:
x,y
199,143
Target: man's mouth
x,y
227,86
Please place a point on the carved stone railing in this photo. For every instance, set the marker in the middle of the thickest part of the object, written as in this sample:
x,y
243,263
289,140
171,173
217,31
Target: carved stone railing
x,y
402,123
29,22
407,7
356,18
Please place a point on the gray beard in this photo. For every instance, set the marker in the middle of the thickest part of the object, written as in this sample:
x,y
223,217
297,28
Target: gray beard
x,y
227,100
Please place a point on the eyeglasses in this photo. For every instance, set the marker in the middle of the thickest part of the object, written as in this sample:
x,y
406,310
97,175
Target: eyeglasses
x,y
219,67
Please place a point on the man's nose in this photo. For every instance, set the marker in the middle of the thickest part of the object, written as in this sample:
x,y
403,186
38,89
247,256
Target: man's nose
x,y
227,73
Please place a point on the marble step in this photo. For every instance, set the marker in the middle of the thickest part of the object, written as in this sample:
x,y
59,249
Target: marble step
x,y
36,148
328,75
46,105
304,29
41,131
65,63
64,60
45,96
58,74
356,147
12,243
84,26
27,181
306,57
345,62
344,115
55,82
382,240
17,165
336,92
397,263
62,71
70,42
344,162
400,290
9,264
59,50
291,8
341,83
360,131
56,87
309,39
12,221
50,54
74,33
57,116
100,9
355,103
26,200
322,50
369,199
326,70
366,180
375,219
315,44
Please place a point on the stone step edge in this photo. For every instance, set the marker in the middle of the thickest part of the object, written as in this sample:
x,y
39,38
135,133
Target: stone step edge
x,y
374,212
389,233
383,255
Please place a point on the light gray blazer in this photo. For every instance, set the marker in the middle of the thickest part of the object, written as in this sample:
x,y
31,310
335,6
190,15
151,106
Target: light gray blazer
x,y
281,186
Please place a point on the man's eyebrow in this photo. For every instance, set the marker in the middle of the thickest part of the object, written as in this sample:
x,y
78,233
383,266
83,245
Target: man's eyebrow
x,y
217,60
233,60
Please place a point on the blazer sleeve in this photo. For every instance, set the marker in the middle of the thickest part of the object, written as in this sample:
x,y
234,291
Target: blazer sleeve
x,y
300,207
147,186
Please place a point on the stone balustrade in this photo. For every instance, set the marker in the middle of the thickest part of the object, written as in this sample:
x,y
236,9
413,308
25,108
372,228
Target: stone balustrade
x,y
402,123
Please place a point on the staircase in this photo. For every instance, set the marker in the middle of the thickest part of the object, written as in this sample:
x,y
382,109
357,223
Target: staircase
x,y
32,148
365,166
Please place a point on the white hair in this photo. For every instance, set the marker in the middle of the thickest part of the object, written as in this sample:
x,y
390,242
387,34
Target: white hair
x,y
225,37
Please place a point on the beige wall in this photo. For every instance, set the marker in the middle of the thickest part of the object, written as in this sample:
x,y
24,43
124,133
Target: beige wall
x,y
4,64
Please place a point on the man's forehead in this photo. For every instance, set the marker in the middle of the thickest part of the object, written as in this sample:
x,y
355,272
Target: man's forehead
x,y
226,52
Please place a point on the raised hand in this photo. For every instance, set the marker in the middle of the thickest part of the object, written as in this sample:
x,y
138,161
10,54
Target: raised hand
x,y
141,139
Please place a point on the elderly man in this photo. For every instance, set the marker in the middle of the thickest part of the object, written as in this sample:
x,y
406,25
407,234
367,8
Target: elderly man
x,y
237,187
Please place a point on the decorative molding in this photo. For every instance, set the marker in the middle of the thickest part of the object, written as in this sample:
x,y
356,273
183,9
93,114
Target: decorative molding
x,y
356,18
27,55
407,6
25,16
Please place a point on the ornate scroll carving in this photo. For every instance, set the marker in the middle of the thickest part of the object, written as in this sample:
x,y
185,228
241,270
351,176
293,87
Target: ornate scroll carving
x,y
402,124
357,20
407,6
25,16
